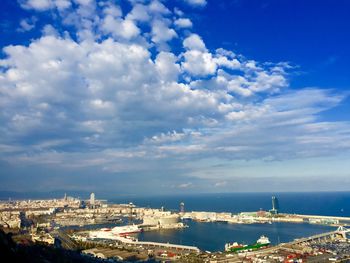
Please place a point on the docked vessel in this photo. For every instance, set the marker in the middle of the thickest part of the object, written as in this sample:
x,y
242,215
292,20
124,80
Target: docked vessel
x,y
118,231
262,242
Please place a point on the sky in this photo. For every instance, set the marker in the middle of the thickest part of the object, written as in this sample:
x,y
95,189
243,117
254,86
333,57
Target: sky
x,y
174,97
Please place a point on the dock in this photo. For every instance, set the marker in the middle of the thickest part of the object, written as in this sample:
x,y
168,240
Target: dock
x,y
157,245
340,232
152,245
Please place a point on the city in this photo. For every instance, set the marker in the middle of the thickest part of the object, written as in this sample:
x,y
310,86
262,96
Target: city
x,y
174,131
74,224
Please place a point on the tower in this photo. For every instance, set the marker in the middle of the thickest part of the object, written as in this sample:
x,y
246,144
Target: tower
x,y
131,212
275,205
182,207
92,200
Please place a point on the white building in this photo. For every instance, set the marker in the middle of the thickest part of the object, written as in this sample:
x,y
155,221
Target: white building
x,y
92,199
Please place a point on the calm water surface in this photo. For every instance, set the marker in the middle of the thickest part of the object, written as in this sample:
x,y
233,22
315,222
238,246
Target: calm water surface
x,y
327,203
213,236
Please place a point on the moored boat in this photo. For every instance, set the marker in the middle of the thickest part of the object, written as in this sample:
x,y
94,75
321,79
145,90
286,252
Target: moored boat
x,y
115,232
262,242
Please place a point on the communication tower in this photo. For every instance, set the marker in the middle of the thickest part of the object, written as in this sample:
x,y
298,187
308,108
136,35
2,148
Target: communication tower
x,y
275,205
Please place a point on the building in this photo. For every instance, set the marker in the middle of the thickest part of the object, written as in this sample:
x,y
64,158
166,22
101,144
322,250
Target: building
x,y
92,200
160,219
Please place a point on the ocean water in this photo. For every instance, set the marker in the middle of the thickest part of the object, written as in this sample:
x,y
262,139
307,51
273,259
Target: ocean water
x,y
318,203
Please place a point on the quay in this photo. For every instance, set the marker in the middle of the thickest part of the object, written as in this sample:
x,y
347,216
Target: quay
x,y
339,219
183,248
341,232
325,247
158,245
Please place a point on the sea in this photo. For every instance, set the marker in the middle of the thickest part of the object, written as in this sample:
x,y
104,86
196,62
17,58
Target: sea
x,y
312,203
213,236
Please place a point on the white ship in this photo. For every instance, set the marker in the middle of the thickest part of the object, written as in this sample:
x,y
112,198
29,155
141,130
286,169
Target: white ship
x,y
263,240
115,232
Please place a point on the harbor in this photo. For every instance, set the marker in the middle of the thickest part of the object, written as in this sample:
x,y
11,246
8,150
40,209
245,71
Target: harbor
x,y
124,231
187,131
316,248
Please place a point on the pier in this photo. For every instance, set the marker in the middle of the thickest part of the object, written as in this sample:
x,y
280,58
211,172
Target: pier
x,y
175,247
340,232
340,219
157,245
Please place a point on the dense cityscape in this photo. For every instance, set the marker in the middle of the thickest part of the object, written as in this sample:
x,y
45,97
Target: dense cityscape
x,y
73,224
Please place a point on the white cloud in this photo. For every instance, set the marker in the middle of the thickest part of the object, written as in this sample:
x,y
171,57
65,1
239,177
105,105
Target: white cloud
x,y
113,93
199,63
178,12
43,5
139,12
113,10
40,5
183,23
158,8
84,2
223,61
161,33
49,30
196,2
63,4
167,67
194,42
185,185
119,27
220,184
27,24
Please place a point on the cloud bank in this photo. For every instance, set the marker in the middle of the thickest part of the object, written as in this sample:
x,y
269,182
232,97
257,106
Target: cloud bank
x,y
133,92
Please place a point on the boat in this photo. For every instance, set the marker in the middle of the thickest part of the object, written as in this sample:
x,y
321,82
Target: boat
x,y
262,242
115,232
123,230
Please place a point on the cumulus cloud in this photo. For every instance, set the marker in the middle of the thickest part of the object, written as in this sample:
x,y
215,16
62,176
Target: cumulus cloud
x,y
196,2
194,42
139,12
119,27
198,63
27,24
40,5
183,23
161,33
43,5
167,67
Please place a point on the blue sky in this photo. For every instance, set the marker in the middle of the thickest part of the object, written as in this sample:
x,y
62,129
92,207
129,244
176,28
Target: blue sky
x,y
178,96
